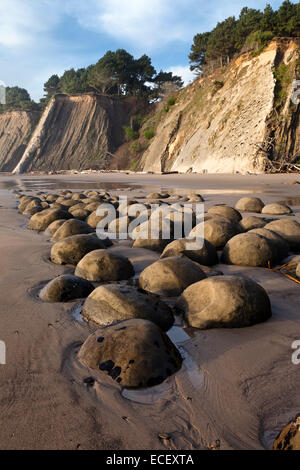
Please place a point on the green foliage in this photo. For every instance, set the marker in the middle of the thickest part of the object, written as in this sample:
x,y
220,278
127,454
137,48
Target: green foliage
x,y
284,77
253,28
171,101
136,147
218,84
18,98
116,73
149,134
131,134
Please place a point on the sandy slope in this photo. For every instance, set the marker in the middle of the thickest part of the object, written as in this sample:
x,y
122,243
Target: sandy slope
x,y
237,386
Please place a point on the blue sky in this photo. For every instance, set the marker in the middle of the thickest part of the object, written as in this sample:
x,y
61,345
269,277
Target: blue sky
x,y
42,37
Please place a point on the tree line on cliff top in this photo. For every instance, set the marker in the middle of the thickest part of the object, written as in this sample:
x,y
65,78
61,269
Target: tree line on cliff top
x,y
117,74
120,74
252,29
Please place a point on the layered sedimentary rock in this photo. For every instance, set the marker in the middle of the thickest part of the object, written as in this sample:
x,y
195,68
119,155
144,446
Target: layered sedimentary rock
x,y
78,132
231,120
16,128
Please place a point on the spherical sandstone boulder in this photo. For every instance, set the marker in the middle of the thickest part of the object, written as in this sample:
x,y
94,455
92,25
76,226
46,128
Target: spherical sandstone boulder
x,y
226,211
248,249
72,249
251,222
289,229
249,204
112,303
101,265
276,209
64,288
224,302
80,214
54,226
135,353
41,220
170,276
217,230
281,246
200,251
93,219
72,227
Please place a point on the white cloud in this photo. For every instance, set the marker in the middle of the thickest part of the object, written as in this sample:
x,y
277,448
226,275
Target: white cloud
x,y
184,72
147,24
22,22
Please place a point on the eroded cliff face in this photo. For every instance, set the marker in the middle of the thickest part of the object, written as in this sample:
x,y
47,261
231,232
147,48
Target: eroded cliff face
x,y
233,119
16,128
78,132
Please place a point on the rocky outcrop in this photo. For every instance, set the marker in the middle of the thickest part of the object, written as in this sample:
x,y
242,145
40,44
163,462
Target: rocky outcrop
x,y
231,120
16,128
78,132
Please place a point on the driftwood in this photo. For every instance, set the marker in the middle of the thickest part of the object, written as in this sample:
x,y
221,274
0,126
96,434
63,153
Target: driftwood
x,y
280,163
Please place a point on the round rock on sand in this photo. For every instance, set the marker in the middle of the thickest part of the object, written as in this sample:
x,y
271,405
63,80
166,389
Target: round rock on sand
x,y
135,353
249,204
224,302
72,227
251,222
200,251
72,249
248,249
226,211
93,219
217,230
101,265
289,229
80,214
289,438
64,288
276,209
52,228
281,246
111,303
43,219
170,276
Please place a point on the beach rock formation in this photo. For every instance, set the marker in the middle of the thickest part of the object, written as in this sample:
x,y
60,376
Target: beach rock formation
x,y
101,265
217,230
135,353
224,302
64,288
170,276
281,246
249,204
70,250
43,219
248,249
72,227
252,222
226,211
112,303
288,229
54,226
276,209
200,251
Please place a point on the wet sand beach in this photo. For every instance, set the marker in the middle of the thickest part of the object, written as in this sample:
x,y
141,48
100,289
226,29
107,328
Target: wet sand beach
x,y
237,388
